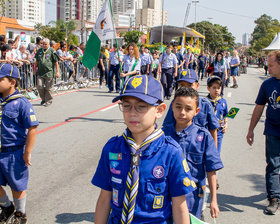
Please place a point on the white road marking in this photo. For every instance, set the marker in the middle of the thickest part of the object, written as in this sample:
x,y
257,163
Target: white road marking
x,y
229,94
108,108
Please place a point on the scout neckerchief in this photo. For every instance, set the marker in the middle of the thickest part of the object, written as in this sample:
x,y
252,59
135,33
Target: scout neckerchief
x,y
214,102
132,180
44,53
3,102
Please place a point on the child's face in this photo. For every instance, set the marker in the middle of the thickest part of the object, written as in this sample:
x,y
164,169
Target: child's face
x,y
131,50
154,56
184,109
215,90
5,85
194,85
139,116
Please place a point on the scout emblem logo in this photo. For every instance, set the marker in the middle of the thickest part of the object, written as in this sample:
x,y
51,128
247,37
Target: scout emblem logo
x,y
135,160
274,100
184,73
136,82
102,23
158,172
199,138
158,202
187,182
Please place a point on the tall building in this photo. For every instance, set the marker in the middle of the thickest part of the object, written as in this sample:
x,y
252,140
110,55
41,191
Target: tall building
x,y
246,38
28,10
151,14
74,9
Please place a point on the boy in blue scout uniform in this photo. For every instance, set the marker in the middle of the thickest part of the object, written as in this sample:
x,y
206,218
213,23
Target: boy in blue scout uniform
x,y
214,86
199,149
18,131
168,67
146,60
206,116
141,172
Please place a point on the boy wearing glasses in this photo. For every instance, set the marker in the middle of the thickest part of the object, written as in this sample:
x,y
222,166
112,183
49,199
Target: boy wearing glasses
x,y
142,171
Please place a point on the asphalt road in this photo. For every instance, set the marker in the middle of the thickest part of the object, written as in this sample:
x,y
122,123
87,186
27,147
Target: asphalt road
x,y
74,129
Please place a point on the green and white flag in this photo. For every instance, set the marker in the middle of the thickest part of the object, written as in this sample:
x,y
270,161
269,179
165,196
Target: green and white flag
x,y
103,30
195,220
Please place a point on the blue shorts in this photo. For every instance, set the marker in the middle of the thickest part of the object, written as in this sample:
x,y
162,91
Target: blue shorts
x,y
234,71
13,170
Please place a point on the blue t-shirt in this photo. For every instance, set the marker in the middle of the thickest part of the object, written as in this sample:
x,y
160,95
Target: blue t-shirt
x,y
270,93
205,118
17,116
202,61
199,149
180,58
175,179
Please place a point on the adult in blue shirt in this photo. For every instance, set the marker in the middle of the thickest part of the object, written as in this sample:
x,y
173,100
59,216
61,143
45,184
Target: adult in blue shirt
x,y
234,68
206,116
202,65
269,93
114,69
145,61
168,66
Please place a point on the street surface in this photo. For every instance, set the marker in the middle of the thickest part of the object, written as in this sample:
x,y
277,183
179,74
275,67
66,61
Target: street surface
x,y
76,126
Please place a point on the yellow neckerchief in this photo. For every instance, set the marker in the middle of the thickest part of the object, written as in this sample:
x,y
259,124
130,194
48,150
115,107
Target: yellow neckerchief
x,y
214,102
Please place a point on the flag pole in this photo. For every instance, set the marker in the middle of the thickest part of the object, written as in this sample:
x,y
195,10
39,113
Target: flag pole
x,y
116,40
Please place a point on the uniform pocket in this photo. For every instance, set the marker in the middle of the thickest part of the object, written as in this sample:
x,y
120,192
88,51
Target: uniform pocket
x,y
195,158
195,162
156,197
155,187
11,114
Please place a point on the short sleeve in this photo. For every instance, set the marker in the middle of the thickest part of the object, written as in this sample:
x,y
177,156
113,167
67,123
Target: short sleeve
x,y
28,115
179,178
138,65
169,118
261,98
226,109
213,161
101,177
175,61
212,119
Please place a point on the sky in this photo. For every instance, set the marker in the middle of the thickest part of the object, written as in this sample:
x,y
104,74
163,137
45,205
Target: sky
x,y
237,15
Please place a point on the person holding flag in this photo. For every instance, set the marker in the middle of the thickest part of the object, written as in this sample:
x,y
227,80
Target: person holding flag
x,y
131,61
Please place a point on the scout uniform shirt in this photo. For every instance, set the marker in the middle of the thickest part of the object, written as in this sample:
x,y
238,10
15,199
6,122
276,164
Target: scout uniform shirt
x,y
163,174
168,60
205,118
128,64
46,60
17,116
199,149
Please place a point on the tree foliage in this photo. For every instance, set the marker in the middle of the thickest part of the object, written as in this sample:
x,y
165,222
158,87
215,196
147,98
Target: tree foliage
x,y
217,37
263,33
131,36
3,6
59,30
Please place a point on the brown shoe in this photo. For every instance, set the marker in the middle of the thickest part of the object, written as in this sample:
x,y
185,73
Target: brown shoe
x,y
19,218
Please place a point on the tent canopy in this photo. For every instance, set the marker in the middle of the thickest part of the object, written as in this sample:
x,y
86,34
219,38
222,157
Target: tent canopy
x,y
169,32
275,44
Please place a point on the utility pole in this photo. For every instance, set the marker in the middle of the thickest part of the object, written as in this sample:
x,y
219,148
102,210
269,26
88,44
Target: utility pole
x,y
195,2
162,11
82,21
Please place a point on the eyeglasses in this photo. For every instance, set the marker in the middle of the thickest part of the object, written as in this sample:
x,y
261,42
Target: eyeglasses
x,y
140,108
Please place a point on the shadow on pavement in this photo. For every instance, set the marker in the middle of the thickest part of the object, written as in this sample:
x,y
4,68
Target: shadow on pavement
x,y
96,119
247,104
72,217
228,202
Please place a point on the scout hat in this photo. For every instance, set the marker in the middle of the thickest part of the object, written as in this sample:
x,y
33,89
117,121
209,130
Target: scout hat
x,y
143,87
7,69
211,78
188,75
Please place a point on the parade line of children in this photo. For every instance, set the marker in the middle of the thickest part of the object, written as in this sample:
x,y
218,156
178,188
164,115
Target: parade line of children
x,y
147,174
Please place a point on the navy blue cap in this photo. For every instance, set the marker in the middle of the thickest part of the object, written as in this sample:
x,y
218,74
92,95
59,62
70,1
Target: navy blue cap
x,y
143,87
188,75
213,78
7,69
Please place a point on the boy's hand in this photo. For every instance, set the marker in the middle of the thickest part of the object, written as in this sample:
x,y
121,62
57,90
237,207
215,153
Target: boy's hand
x,y
250,138
224,128
214,209
27,158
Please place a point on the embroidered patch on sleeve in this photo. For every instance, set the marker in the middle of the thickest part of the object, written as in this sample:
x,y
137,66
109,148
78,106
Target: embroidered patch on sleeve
x,y
33,118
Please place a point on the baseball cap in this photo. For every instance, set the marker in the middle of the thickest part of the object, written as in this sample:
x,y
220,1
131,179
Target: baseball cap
x,y
143,87
188,75
211,78
7,69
